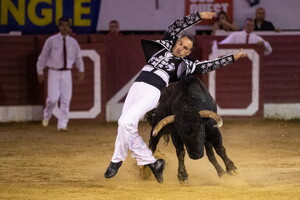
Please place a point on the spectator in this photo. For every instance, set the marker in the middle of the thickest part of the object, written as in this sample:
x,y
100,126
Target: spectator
x,y
114,28
223,23
247,36
260,23
59,54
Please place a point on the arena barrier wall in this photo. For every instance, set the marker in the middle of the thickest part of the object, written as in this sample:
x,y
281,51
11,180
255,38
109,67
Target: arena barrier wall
x,y
237,88
101,94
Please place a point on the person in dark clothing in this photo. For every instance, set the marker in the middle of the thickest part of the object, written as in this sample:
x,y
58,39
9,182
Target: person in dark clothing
x,y
260,23
166,62
114,28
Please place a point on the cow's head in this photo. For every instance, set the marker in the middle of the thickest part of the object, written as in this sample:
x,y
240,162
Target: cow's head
x,y
191,129
202,113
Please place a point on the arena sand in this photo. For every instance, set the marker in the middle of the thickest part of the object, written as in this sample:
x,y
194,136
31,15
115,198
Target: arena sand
x,y
40,163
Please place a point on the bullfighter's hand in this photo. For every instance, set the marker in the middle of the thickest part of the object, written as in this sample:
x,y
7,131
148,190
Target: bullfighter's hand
x,y
80,76
240,54
207,15
40,78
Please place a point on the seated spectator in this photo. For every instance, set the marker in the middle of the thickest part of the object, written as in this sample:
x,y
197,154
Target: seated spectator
x,y
223,23
247,36
114,28
260,23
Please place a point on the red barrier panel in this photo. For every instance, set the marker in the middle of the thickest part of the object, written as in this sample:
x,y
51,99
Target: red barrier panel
x,y
282,70
237,88
16,54
122,58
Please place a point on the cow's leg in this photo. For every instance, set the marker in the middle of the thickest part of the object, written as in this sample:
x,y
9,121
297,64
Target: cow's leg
x,y
212,158
214,136
180,152
153,142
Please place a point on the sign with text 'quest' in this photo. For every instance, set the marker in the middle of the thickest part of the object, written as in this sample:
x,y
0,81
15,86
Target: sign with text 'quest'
x,y
41,16
209,6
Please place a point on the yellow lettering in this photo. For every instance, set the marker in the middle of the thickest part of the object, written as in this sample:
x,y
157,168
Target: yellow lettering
x,y
79,10
59,10
18,14
46,13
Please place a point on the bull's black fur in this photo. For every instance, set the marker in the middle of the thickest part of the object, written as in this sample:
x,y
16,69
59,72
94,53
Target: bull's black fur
x,y
189,131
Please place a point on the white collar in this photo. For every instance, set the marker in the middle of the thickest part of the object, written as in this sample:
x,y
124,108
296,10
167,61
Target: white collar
x,y
247,33
61,37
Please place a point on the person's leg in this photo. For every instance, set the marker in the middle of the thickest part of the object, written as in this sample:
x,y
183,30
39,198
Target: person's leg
x,y
65,99
140,99
53,93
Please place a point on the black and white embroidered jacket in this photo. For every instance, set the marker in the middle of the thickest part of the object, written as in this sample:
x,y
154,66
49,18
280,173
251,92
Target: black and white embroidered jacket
x,y
168,68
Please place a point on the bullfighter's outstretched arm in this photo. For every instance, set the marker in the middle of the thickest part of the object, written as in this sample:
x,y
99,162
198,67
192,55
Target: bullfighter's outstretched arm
x,y
202,67
186,22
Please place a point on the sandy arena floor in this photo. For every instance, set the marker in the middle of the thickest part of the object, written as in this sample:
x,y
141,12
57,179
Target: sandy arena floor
x,y
40,163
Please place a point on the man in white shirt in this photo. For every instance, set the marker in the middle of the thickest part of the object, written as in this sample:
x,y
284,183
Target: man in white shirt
x,y
59,53
247,36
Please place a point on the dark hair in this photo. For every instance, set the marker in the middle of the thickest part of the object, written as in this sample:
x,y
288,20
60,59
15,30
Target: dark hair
x,y
114,21
261,8
64,19
191,38
223,13
249,19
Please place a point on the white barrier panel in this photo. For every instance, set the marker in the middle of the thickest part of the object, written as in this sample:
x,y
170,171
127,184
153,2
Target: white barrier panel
x,y
113,106
20,113
284,111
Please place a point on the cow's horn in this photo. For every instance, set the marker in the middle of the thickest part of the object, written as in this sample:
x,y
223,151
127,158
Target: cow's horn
x,y
161,124
213,115
170,119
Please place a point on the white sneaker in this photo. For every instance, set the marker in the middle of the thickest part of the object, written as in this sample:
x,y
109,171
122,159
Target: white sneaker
x,y
64,129
45,122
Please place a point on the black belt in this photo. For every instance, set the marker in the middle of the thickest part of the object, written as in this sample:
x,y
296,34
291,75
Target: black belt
x,y
61,69
151,79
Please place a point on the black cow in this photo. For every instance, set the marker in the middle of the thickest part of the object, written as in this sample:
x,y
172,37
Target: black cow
x,y
178,114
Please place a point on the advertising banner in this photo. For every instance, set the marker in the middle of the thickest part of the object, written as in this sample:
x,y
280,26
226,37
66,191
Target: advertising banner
x,y
209,6
41,16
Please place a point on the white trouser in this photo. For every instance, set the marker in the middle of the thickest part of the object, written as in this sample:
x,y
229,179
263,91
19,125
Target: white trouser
x,y
140,99
59,88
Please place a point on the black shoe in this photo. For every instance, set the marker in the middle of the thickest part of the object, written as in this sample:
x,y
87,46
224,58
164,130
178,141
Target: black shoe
x,y
112,169
157,168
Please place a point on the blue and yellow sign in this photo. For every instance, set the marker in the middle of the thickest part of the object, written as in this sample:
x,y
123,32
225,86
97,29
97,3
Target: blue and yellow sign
x,y
41,16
